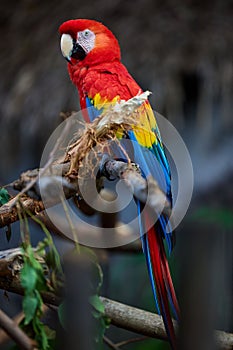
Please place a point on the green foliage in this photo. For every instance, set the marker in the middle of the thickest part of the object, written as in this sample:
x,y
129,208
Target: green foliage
x,y
42,272
97,304
33,281
41,267
4,196
102,322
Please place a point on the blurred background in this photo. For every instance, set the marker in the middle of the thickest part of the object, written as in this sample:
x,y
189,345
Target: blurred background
x,y
181,51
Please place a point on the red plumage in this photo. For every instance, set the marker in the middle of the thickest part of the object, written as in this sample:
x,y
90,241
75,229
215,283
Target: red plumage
x,y
107,79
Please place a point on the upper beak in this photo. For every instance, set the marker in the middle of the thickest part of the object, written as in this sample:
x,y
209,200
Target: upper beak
x,y
66,46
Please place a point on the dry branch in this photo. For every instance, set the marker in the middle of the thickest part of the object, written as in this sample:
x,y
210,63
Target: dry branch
x,y
15,333
121,315
9,214
4,337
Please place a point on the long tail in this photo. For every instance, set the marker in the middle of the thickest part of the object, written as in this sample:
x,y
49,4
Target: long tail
x,y
160,276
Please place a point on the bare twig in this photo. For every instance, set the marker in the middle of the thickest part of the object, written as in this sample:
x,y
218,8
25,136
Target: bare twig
x,y
4,337
131,340
46,167
110,343
15,333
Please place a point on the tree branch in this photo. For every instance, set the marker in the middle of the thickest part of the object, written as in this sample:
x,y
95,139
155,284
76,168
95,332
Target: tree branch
x,y
131,340
134,319
147,191
9,213
15,333
4,337
110,343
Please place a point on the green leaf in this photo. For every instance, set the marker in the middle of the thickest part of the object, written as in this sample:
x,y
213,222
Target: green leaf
x,y
40,303
107,321
4,196
43,339
28,277
102,324
41,281
33,280
30,304
41,336
53,259
97,303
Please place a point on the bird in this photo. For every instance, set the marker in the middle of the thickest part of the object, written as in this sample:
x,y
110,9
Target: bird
x,y
95,68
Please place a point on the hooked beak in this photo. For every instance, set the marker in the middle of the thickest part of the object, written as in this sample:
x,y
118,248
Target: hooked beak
x,y
71,49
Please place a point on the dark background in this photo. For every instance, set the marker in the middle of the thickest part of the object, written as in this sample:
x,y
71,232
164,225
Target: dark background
x,y
182,52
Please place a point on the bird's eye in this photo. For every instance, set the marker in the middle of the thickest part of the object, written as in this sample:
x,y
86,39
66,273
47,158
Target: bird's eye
x,y
86,33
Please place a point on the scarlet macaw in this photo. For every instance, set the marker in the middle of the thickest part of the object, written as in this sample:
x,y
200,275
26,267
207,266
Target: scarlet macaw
x,y
95,68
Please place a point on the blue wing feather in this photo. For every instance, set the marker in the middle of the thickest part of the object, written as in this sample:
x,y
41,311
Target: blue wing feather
x,y
93,112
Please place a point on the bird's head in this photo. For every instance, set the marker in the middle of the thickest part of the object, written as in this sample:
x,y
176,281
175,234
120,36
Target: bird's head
x,y
88,41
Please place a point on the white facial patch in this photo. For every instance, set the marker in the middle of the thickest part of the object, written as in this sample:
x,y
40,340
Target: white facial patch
x,y
66,45
86,39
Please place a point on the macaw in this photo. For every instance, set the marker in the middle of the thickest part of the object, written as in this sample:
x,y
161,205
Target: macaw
x,y
95,68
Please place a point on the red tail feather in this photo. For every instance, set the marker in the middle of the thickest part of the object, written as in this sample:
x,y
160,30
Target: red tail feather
x,y
162,279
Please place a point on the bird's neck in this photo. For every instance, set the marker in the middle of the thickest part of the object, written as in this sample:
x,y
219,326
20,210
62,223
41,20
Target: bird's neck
x,y
83,76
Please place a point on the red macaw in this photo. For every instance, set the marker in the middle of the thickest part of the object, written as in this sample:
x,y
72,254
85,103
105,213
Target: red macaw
x,y
95,68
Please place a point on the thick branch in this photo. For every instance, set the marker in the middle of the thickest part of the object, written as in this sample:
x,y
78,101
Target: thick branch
x,y
135,320
9,214
147,191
